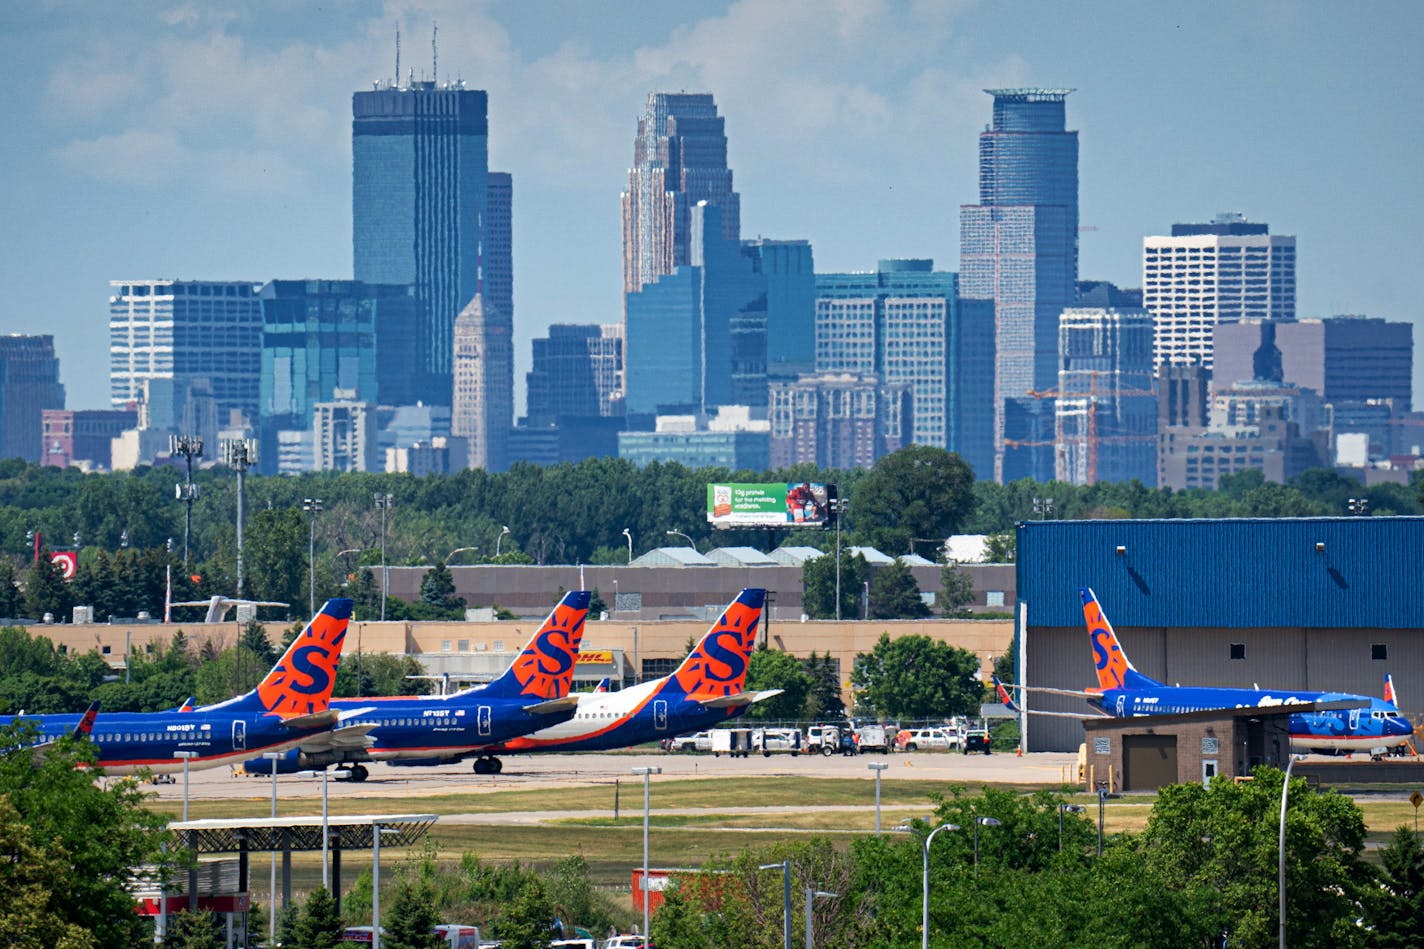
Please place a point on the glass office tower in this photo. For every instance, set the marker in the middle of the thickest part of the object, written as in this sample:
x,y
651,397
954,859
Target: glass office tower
x,y
1019,248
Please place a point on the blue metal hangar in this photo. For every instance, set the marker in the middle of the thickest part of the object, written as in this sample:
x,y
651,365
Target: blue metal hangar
x,y
1290,603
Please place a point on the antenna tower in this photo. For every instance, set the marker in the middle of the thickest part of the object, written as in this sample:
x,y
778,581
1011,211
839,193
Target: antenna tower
x,y
434,54
397,55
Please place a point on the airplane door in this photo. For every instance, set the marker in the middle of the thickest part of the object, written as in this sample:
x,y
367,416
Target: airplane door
x,y
660,716
482,720
1354,719
239,735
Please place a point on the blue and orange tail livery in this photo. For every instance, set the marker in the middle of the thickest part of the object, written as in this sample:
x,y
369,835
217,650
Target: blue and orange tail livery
x,y
718,664
1389,694
301,681
1113,668
1004,696
545,667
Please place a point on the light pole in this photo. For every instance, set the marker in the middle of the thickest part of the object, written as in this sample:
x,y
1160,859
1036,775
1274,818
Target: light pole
x,y
925,841
1076,809
1043,507
1281,857
186,756
785,868
272,758
647,774
376,831
458,550
190,447
312,506
325,829
499,540
1103,795
628,535
689,540
839,507
877,767
811,895
341,555
383,502
984,822
239,453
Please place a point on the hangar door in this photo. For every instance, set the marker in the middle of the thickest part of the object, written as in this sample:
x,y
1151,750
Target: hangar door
x,y
1148,761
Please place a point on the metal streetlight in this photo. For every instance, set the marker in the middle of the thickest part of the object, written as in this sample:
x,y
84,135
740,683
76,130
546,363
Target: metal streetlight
x,y
877,767
186,756
1103,795
1074,808
272,758
376,831
1043,507
1281,857
628,535
124,540
499,540
690,541
1360,506
325,829
978,822
383,503
838,507
458,550
341,555
647,774
312,506
925,841
239,453
811,895
190,447
785,868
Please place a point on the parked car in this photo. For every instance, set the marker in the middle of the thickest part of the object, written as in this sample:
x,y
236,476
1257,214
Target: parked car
x,y
772,740
626,942
975,741
702,741
926,739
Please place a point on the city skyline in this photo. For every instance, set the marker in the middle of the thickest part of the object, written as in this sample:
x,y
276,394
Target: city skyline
x,y
225,151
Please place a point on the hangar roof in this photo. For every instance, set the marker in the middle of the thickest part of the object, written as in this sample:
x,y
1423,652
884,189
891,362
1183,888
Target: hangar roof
x,y
1328,572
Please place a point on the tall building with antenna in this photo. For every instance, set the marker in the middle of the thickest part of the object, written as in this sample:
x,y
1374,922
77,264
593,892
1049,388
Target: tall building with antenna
x,y
421,210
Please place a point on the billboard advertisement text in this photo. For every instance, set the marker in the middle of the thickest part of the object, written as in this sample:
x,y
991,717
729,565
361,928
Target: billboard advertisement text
x,y
793,504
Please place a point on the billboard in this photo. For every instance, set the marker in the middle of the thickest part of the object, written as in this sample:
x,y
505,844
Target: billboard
x,y
792,504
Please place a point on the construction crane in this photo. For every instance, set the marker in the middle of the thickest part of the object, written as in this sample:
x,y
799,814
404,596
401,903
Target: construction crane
x,y
1090,435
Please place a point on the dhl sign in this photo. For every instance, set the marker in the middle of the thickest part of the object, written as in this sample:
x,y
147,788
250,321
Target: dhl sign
x,y
595,655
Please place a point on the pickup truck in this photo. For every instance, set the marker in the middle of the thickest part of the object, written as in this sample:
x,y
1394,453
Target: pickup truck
x,y
926,739
702,741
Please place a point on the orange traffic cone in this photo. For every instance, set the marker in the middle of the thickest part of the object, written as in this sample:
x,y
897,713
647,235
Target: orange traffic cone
x,y
1019,751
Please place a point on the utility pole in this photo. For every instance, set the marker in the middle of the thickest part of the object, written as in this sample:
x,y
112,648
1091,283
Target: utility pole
x,y
190,447
383,502
313,507
239,453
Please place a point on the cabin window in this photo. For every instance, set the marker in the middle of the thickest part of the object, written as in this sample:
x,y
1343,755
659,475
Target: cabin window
x,y
1379,652
1238,650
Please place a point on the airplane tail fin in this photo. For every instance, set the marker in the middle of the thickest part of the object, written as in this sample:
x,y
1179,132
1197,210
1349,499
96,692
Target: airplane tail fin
x,y
603,685
1390,695
717,665
544,669
301,681
1114,669
1005,697
85,725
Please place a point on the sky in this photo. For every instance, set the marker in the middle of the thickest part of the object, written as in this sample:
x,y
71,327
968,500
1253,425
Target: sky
x,y
212,140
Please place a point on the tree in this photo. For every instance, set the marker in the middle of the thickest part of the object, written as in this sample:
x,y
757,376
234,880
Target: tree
x,y
98,834
437,588
818,579
1399,902
254,640
774,669
276,539
916,677
319,925
528,921
895,594
32,877
823,701
197,930
956,591
45,590
1001,548
918,491
412,920
11,600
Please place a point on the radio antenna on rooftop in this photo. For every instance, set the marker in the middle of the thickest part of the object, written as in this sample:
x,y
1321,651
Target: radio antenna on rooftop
x,y
434,53
397,55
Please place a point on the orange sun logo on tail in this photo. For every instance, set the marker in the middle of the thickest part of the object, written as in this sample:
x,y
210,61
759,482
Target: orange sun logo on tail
x,y
545,669
718,666
301,682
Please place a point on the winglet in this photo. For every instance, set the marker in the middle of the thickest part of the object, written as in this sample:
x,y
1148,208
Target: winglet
x,y
86,721
1005,697
717,665
544,669
301,681
1389,694
1114,669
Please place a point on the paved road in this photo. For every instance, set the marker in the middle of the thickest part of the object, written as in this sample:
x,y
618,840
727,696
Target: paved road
x,y
528,772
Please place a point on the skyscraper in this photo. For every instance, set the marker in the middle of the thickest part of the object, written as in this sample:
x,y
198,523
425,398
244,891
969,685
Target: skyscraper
x,y
790,272
420,199
1225,271
837,420
1106,412
483,409
204,333
1019,248
679,160
29,384
574,374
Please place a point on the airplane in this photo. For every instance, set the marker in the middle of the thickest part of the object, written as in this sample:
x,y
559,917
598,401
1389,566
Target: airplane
x,y
289,706
1123,692
424,730
705,689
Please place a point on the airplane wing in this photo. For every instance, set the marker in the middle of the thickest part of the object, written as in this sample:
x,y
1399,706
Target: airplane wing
x,y
350,738
315,720
740,699
553,706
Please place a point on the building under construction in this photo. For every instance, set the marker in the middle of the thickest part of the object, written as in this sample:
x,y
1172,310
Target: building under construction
x,y
1105,420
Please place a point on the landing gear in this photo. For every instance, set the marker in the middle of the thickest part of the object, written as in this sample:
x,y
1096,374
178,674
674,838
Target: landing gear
x,y
358,773
488,765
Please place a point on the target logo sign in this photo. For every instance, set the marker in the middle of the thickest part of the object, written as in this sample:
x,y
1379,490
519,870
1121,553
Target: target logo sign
x,y
66,561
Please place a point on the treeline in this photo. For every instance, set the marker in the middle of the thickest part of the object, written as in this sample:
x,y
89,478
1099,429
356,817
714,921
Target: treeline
x,y
571,513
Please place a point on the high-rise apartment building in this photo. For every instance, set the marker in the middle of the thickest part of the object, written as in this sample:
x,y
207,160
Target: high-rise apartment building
x,y
837,420
197,333
483,410
421,194
1225,271
1019,248
29,384
679,161
904,324
1106,410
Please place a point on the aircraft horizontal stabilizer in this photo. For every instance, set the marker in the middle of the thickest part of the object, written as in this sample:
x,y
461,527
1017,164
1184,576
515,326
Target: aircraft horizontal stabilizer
x,y
741,699
553,706
314,720
1075,693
